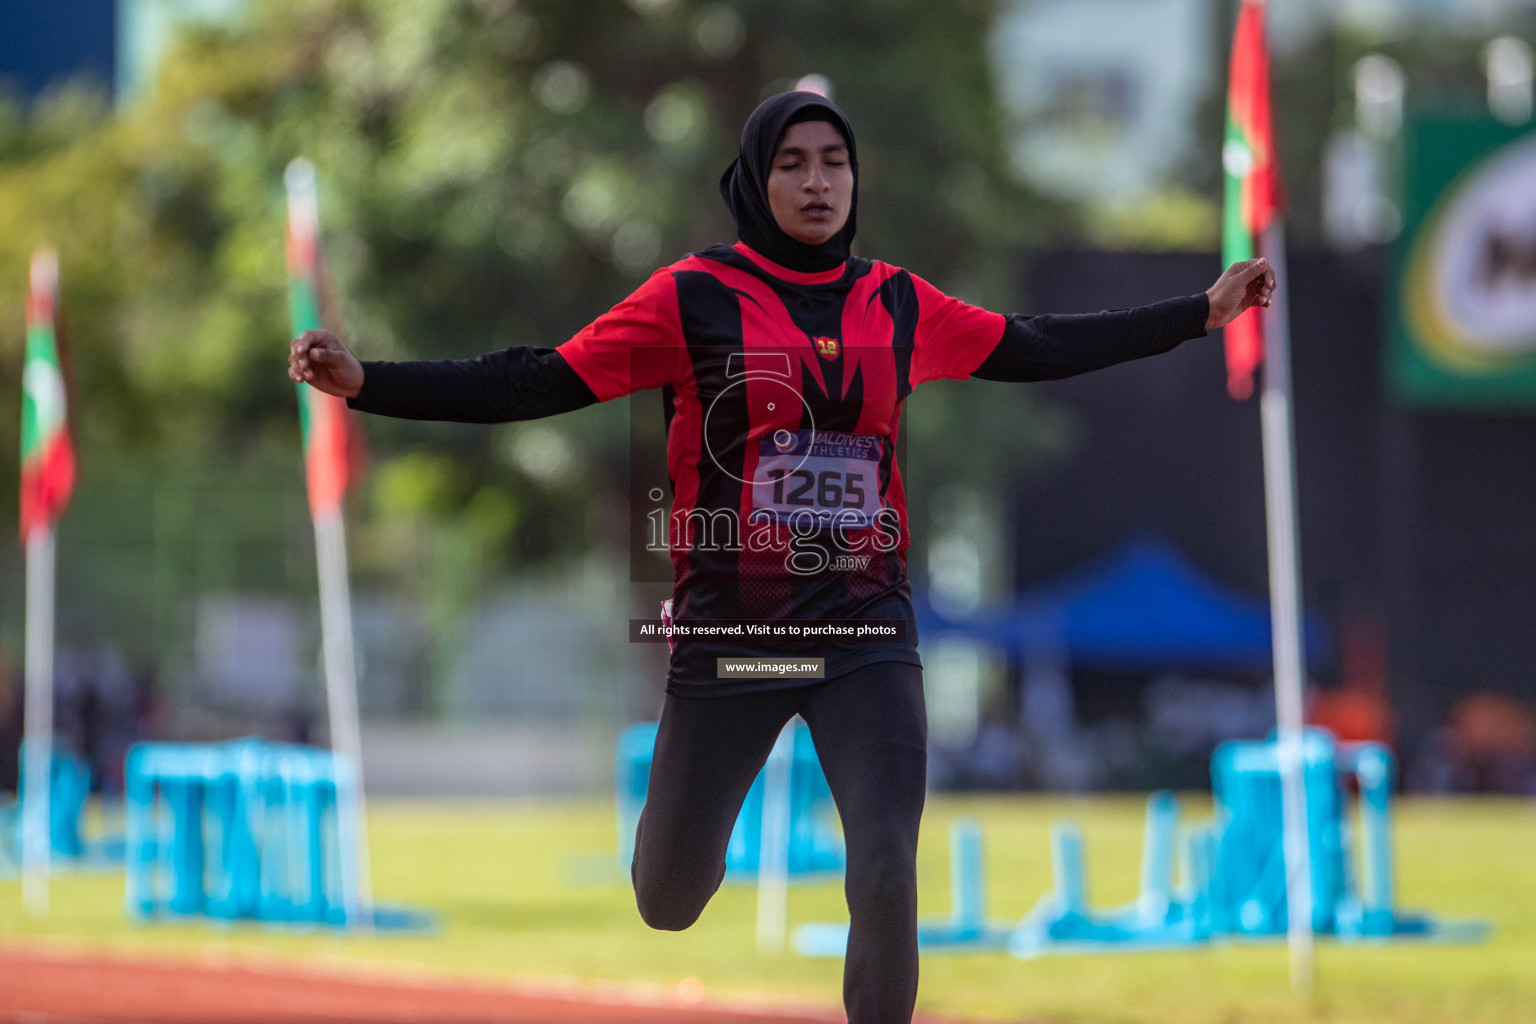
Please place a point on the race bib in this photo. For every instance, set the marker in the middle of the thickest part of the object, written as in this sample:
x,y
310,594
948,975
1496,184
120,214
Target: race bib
x,y
833,475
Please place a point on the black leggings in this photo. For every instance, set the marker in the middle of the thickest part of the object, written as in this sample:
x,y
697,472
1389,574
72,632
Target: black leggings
x,y
870,730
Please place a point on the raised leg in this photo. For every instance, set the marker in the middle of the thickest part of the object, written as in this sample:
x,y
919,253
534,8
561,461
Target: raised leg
x,y
708,751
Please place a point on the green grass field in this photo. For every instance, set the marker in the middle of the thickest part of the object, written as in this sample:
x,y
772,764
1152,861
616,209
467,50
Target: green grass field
x,y
524,893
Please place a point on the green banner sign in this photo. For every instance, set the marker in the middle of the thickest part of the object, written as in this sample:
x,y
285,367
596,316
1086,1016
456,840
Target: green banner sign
x,y
1463,306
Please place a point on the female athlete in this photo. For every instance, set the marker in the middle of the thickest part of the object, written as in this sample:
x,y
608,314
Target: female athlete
x,y
784,362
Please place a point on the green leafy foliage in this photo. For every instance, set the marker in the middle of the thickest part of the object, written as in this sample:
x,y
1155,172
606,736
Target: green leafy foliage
x,y
491,174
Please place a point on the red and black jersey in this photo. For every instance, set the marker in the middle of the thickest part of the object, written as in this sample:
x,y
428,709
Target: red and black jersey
x,y
783,394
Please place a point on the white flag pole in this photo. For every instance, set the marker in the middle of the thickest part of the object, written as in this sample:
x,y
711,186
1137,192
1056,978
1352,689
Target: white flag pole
x,y
1278,426
773,846
36,838
335,607
346,732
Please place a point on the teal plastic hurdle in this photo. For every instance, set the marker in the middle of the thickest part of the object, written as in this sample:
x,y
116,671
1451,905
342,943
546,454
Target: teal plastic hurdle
x,y
1161,916
1233,866
69,786
1248,890
1233,881
245,830
815,847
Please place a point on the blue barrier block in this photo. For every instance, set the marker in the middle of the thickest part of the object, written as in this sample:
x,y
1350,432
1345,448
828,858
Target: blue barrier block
x,y
1157,852
242,830
69,787
967,878
1234,870
1374,769
1250,881
1161,917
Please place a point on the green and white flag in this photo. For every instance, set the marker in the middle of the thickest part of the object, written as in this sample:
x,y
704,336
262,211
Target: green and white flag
x,y
47,456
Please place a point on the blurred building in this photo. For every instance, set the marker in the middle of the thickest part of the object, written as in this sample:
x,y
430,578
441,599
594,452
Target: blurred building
x,y
42,44
1102,97
147,28
1101,93
118,44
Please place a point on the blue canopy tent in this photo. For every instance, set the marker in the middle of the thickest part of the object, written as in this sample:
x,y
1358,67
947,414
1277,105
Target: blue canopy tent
x,y
1142,608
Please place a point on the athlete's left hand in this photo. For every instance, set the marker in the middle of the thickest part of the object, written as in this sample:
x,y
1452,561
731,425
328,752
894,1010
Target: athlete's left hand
x,y
1246,283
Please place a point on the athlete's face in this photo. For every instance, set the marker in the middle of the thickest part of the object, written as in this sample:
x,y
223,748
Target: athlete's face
x,y
810,187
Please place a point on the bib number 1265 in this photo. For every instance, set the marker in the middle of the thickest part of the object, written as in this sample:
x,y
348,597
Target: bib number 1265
x,y
831,475
828,489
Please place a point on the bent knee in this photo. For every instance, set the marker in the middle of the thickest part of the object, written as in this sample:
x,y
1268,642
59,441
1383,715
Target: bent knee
x,y
668,912
672,900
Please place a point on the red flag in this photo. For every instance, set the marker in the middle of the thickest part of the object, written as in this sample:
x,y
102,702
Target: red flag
x,y
333,446
47,454
1252,199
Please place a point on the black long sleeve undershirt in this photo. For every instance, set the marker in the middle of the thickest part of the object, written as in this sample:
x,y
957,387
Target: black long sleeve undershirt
x,y
520,383
524,383
1057,345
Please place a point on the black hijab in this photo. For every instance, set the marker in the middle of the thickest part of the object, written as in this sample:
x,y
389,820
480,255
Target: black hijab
x,y
744,185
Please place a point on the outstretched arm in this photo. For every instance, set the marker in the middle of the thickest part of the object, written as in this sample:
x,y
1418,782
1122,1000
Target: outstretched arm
x,y
519,383
635,345
1057,345
953,340
1054,346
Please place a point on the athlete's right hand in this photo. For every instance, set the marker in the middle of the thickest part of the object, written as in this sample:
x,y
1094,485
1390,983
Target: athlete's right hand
x,y
321,360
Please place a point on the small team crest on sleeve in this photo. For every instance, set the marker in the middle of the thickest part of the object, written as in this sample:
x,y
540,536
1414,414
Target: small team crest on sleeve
x,y
825,347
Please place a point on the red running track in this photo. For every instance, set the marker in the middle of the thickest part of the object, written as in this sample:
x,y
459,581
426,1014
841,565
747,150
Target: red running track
x,y
50,987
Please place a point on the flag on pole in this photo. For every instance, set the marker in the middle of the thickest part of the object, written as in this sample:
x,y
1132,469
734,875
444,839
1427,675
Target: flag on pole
x,y
1252,224
47,455
332,443
1252,195
332,458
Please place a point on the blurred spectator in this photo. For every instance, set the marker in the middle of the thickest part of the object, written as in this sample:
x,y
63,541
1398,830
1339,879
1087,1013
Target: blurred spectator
x,y
1358,710
148,713
94,709
1495,738
1351,714
1436,766
1489,745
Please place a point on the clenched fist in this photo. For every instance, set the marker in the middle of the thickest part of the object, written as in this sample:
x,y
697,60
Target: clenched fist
x,y
321,360
1246,283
